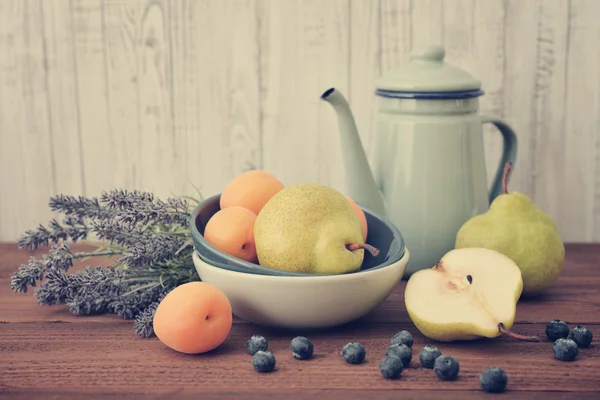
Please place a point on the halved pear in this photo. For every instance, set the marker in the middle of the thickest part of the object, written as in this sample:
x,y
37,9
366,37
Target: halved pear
x,y
470,293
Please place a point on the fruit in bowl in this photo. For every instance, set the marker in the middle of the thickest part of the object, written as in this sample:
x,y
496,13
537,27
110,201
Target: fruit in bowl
x,y
232,230
308,227
280,298
303,228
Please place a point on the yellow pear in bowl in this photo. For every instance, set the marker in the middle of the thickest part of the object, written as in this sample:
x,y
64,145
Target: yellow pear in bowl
x,y
310,228
516,227
470,293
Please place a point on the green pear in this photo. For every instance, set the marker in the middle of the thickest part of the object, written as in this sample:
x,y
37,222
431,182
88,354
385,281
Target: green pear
x,y
310,228
470,293
517,228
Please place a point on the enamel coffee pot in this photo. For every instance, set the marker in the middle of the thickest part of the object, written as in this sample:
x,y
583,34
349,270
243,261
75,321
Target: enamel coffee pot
x,y
427,171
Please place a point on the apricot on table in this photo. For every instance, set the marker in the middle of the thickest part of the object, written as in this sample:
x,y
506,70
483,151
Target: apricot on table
x,y
361,217
193,318
251,190
231,230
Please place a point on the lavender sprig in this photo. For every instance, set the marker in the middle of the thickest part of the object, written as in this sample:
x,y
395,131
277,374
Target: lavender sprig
x,y
154,249
86,292
80,206
144,322
58,258
72,227
143,246
27,275
141,207
121,199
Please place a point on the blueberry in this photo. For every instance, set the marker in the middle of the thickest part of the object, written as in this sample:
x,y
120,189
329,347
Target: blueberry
x,y
263,361
256,343
390,367
428,355
402,351
446,367
582,336
557,329
301,348
354,353
565,349
493,380
402,337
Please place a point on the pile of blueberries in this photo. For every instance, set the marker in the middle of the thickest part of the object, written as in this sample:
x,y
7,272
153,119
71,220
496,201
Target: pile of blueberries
x,y
399,354
567,344
397,357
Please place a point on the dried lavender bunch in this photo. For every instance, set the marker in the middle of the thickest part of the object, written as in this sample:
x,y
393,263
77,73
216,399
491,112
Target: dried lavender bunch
x,y
148,238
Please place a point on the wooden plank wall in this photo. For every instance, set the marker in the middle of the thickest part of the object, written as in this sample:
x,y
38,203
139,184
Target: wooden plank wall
x,y
163,95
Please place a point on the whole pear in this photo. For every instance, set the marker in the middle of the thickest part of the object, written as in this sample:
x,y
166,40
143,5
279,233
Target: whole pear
x,y
310,228
517,228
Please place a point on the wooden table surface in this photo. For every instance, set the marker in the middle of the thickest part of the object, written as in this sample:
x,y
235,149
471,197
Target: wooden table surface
x,y
48,353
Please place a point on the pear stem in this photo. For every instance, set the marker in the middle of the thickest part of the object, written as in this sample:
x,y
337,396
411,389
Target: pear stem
x,y
513,335
355,246
505,177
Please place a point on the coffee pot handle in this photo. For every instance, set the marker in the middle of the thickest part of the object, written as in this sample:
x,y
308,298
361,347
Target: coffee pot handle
x,y
509,152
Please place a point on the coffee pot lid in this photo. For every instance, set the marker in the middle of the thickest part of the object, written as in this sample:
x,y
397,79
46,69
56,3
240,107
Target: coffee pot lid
x,y
427,73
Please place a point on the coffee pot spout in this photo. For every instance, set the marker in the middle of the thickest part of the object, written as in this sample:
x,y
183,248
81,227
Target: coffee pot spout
x,y
359,179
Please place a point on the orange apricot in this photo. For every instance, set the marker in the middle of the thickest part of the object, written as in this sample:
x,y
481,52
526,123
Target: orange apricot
x,y
231,230
361,216
251,190
193,318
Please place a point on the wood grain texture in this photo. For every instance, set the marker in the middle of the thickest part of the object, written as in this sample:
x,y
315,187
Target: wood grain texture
x,y
49,353
580,171
167,96
27,162
364,66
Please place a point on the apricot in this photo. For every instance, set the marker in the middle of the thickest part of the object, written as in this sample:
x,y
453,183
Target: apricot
x,y
361,216
251,190
193,318
231,230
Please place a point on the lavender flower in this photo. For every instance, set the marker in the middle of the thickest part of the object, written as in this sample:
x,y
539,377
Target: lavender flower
x,y
143,246
88,304
129,305
59,257
72,227
72,289
27,275
122,199
141,207
79,206
144,322
118,232
151,250
57,288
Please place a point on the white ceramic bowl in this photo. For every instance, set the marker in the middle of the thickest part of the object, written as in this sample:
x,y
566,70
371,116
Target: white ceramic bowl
x,y
303,302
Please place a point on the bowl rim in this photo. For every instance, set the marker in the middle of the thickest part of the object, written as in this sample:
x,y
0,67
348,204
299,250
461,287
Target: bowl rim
x,y
196,235
324,277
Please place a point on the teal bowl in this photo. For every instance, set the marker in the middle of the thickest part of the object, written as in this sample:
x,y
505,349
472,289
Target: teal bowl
x,y
382,234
